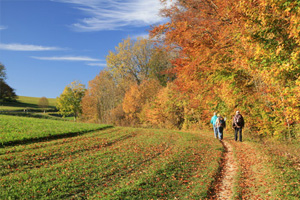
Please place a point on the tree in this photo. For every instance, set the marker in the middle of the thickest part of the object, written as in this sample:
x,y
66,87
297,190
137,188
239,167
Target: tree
x,y
274,41
69,102
131,59
138,60
136,98
6,92
43,103
210,61
166,109
101,97
238,55
2,72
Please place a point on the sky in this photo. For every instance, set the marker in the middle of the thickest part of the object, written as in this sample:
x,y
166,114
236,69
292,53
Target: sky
x,y
47,44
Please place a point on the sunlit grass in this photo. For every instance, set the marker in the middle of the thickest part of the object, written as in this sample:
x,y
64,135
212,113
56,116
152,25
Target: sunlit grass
x,y
117,163
18,129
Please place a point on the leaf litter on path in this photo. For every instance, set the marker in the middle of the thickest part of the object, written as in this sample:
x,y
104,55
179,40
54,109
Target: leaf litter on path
x,y
225,182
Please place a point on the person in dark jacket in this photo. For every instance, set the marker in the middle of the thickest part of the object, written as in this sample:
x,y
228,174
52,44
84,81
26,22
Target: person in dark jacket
x,y
221,125
238,124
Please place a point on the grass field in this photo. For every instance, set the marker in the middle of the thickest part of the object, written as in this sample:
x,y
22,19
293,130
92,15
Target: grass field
x,y
35,100
24,129
24,102
50,159
116,163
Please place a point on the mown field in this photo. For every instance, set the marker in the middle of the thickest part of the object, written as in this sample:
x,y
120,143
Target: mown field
x,y
115,163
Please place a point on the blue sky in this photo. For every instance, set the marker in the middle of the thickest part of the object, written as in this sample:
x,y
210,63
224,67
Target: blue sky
x,y
47,44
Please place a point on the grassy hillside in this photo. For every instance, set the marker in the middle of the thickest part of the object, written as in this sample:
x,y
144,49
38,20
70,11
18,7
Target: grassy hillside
x,y
24,129
25,103
34,100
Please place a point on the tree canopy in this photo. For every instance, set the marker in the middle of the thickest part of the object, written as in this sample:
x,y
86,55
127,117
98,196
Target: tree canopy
x,y
69,102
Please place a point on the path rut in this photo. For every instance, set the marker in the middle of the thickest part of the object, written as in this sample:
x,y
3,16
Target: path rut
x,y
225,184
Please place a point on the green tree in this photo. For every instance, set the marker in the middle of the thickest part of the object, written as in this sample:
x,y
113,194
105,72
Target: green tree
x,y
43,103
69,102
2,72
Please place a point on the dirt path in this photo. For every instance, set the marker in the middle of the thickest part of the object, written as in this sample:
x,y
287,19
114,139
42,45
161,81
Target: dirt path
x,y
226,182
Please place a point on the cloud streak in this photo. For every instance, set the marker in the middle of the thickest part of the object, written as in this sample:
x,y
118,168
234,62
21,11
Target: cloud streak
x,y
67,58
2,28
27,47
115,14
97,64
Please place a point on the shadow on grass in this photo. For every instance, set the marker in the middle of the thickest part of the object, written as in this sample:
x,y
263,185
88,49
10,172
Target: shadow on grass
x,y
49,137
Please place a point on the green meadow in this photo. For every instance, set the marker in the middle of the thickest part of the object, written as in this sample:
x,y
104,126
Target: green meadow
x,y
23,129
24,102
115,163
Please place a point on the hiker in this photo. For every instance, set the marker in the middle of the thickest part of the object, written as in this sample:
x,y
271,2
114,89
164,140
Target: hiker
x,y
238,124
220,124
213,122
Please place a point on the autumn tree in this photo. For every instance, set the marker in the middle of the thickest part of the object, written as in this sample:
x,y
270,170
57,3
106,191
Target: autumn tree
x,y
210,62
43,103
138,60
238,55
101,97
69,102
133,63
136,98
166,110
131,59
272,32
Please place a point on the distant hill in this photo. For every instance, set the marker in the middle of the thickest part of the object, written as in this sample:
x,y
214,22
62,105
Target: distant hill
x,y
24,102
35,100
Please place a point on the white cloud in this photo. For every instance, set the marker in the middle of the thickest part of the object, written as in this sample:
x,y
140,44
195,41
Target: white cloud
x,y
27,47
115,14
67,58
97,64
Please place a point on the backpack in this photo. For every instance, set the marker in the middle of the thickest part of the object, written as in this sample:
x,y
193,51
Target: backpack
x,y
239,120
221,122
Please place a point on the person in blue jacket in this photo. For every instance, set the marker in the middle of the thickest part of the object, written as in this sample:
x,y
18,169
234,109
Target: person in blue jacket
x,y
213,122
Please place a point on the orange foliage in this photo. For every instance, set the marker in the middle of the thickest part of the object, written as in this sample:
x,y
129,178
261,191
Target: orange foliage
x,y
136,97
166,110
